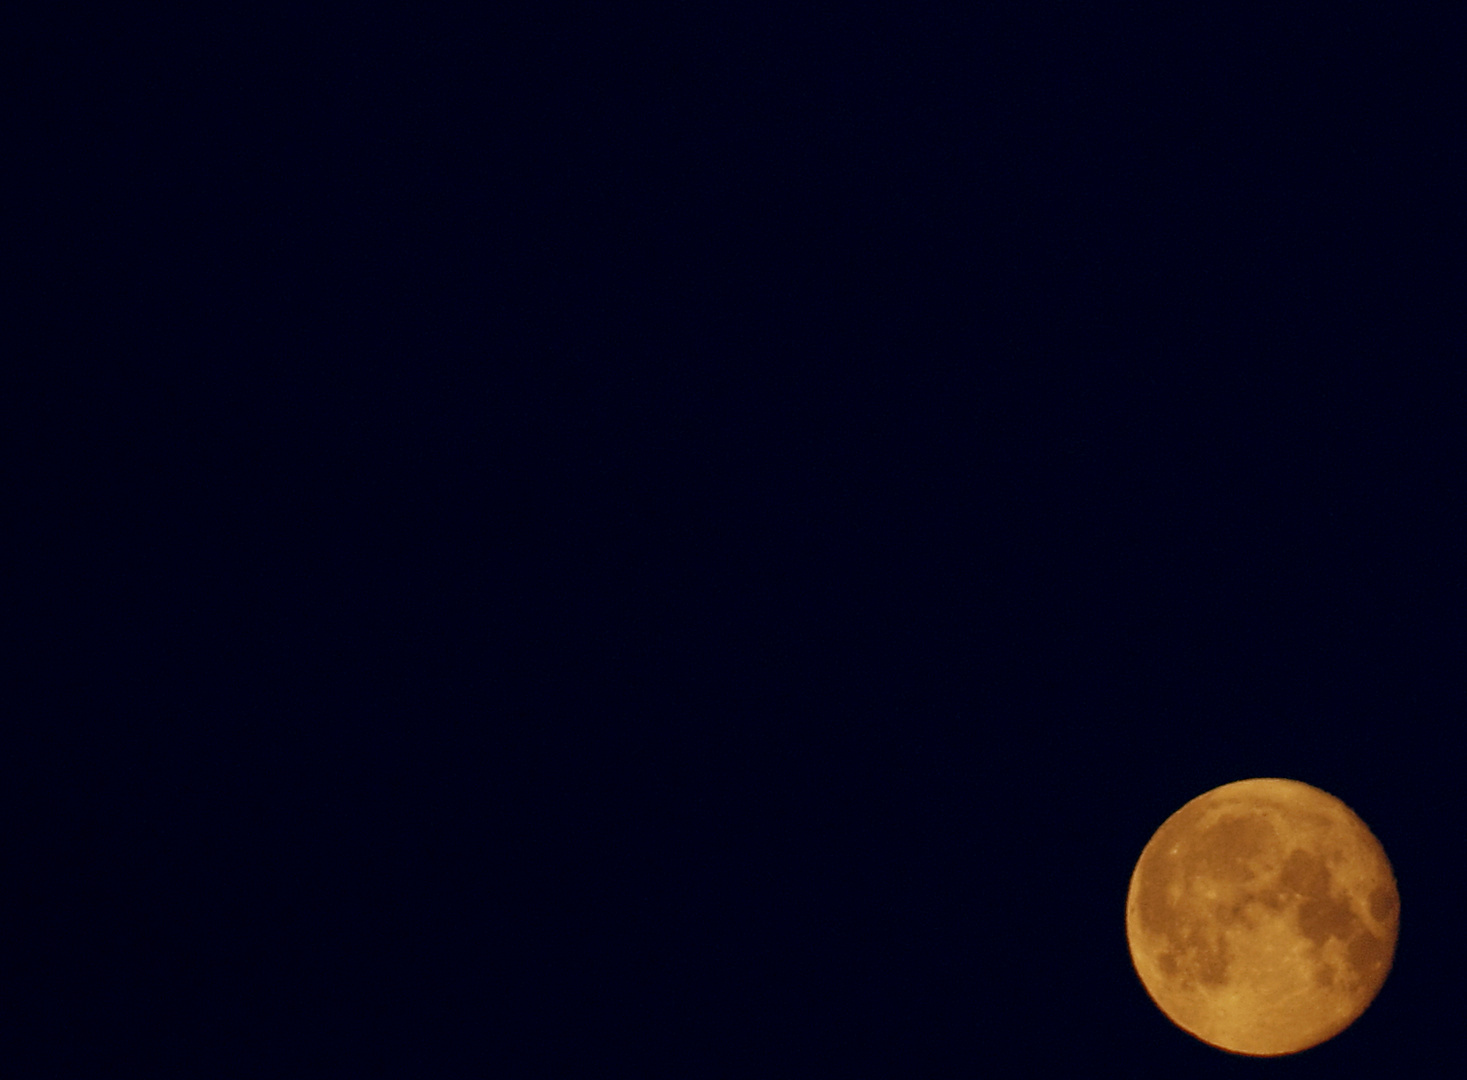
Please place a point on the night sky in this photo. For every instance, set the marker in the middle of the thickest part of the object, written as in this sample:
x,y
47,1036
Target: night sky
x,y
580,545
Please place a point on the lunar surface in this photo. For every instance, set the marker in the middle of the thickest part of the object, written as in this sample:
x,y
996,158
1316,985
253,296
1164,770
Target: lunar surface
x,y
1262,917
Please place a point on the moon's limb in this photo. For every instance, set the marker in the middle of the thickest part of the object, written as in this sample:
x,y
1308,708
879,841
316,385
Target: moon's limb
x,y
1262,917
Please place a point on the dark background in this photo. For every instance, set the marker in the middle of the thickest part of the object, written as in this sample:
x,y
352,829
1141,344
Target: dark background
x,y
707,545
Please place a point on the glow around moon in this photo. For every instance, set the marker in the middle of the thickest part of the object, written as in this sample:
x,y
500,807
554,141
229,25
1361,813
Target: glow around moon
x,y
1262,917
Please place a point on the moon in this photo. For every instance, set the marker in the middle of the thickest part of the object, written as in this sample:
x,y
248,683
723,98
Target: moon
x,y
1262,917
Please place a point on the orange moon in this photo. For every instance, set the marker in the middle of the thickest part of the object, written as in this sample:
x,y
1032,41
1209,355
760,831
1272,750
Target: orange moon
x,y
1262,917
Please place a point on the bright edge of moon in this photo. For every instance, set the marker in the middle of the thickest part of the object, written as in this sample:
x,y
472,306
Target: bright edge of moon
x,y
1262,917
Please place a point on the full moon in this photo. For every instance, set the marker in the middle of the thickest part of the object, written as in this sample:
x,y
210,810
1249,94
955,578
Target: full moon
x,y
1262,917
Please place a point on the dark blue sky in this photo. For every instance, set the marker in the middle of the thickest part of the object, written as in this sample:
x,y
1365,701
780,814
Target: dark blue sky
x,y
708,546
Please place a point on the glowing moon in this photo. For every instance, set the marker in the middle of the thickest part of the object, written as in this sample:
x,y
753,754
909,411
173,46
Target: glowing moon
x,y
1262,917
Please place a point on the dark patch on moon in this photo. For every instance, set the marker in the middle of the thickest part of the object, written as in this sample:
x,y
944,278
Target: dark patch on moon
x,y
1226,849
1209,955
1320,920
1270,897
1306,874
1385,905
1156,913
1368,954
1212,963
